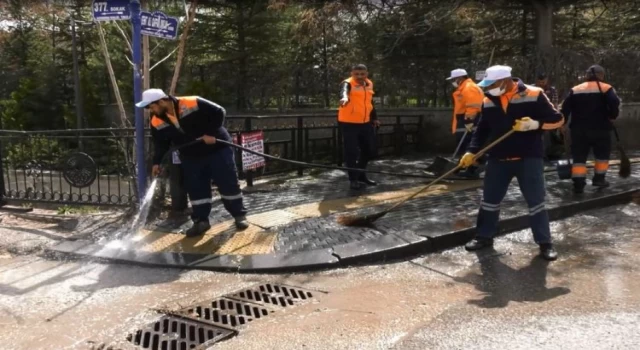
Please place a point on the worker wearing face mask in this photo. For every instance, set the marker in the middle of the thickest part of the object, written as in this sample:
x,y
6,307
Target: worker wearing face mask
x,y
510,104
467,101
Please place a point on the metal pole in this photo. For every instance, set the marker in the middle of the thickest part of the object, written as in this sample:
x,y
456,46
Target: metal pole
x,y
137,96
76,78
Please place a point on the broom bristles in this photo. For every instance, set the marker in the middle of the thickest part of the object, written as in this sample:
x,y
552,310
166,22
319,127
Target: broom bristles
x,y
359,220
625,164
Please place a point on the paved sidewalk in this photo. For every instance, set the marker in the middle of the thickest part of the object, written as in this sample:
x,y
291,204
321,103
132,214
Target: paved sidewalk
x,y
293,224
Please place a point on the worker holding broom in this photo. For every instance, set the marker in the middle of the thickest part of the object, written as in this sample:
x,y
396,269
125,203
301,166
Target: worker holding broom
x,y
511,105
467,101
591,106
181,121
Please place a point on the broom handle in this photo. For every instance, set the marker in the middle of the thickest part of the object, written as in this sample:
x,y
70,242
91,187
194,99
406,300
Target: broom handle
x,y
615,132
448,173
460,144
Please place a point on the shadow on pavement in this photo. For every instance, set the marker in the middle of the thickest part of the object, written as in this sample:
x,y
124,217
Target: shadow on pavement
x,y
502,284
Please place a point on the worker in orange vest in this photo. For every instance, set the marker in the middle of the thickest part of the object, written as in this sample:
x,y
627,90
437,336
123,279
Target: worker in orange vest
x,y
467,103
179,121
357,119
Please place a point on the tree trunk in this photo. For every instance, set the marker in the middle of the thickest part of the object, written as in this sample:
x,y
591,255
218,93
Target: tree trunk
x,y
241,103
183,41
544,24
124,121
325,63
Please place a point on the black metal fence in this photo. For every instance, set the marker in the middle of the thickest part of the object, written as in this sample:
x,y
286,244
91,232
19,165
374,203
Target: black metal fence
x,y
31,162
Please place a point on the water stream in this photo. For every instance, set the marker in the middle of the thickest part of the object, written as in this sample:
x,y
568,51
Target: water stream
x,y
139,220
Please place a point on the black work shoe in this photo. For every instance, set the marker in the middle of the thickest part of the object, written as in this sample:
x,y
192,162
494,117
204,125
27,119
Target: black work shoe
x,y
578,189
198,229
365,180
355,185
602,183
548,252
478,243
242,223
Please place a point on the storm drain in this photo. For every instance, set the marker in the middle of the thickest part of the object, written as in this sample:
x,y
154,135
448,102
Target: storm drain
x,y
202,325
177,333
273,294
228,312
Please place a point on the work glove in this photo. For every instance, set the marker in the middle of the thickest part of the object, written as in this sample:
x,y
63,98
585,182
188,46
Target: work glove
x,y
469,127
467,160
526,124
344,101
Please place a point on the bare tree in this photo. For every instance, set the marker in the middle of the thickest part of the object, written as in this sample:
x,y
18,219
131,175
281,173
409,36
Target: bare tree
x,y
181,46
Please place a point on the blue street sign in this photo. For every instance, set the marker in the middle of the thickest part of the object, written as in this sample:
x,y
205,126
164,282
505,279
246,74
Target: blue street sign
x,y
109,10
159,25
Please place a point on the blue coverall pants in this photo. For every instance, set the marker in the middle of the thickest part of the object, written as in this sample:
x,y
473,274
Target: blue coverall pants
x,y
498,176
221,168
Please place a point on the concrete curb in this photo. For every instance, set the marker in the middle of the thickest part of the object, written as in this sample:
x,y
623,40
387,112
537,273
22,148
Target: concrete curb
x,y
396,245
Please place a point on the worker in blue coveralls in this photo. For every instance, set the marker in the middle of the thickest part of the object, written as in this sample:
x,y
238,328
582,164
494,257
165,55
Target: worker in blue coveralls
x,y
180,120
510,104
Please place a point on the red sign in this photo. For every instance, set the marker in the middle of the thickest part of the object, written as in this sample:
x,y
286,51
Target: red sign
x,y
255,142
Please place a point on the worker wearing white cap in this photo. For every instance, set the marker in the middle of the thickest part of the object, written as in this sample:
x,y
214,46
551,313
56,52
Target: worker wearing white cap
x,y
510,104
467,101
181,120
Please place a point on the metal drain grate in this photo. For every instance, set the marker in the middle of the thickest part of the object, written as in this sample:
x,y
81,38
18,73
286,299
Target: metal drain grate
x,y
176,333
228,312
273,294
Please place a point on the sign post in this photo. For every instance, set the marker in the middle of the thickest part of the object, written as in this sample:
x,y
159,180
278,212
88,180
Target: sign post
x,y
250,162
136,43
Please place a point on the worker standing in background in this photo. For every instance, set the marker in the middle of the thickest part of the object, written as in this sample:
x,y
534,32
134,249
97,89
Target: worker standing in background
x,y
591,108
510,104
553,139
467,102
180,120
357,119
542,81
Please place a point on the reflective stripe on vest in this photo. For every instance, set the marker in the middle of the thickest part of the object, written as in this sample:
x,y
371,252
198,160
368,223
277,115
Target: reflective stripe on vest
x,y
360,105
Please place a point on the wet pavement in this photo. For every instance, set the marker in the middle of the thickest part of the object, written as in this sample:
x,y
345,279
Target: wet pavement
x,y
507,298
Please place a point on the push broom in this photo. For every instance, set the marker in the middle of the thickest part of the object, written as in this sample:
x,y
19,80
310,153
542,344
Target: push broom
x,y
365,220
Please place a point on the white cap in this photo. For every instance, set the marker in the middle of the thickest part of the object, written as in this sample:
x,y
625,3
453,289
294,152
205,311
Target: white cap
x,y
150,96
495,73
457,73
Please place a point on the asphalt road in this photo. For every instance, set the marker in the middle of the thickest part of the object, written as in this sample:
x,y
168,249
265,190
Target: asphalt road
x,y
507,298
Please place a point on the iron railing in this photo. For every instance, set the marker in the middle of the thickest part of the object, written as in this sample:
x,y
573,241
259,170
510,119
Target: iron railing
x,y
31,161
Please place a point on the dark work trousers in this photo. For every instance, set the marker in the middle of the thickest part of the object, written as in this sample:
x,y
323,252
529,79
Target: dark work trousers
x,y
359,146
498,176
582,142
198,174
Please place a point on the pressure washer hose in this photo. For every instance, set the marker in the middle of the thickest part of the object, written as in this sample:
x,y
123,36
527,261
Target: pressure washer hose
x,y
165,158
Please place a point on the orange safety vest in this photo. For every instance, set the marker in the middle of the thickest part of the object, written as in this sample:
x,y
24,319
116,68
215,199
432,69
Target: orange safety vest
x,y
186,106
467,101
360,105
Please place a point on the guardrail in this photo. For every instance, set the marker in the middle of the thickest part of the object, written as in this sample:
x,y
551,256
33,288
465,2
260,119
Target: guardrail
x,y
31,161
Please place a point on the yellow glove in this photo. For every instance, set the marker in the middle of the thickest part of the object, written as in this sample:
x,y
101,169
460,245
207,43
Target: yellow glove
x,y
526,124
467,160
469,127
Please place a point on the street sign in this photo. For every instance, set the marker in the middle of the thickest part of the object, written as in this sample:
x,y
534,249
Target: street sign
x,y
480,74
159,25
255,142
110,10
